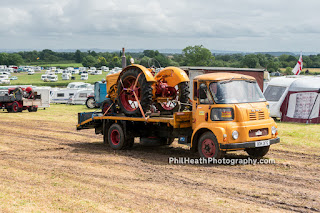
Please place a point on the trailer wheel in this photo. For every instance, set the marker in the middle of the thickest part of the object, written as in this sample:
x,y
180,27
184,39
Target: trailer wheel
x,y
33,109
258,152
90,103
130,87
15,107
208,146
116,137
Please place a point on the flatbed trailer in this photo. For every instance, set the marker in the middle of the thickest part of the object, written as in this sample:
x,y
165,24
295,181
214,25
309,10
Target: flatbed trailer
x,y
154,128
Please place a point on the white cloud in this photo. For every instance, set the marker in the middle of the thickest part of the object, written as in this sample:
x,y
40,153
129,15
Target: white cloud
x,y
241,25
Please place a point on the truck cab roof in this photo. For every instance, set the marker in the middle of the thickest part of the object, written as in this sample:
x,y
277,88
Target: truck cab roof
x,y
219,76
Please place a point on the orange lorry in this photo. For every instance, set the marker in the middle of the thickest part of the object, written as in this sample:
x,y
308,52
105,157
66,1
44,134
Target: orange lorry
x,y
227,112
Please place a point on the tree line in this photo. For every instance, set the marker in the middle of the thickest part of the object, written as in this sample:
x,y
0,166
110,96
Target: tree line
x,y
191,56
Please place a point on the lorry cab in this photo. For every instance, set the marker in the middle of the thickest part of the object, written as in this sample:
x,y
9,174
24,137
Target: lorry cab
x,y
230,113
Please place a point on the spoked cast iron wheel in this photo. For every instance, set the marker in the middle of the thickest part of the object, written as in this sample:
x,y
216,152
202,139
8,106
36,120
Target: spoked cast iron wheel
x,y
182,95
208,146
116,137
130,89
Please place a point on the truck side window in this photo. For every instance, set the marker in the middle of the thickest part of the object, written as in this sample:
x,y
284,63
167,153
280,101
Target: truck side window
x,y
204,95
195,90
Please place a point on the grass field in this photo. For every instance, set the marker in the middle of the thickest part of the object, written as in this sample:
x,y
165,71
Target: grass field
x,y
48,166
25,79
311,70
58,65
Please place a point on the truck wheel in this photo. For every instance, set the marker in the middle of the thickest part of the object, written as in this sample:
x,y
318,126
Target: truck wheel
x,y
116,137
182,96
33,109
15,107
258,152
208,146
127,90
90,103
106,105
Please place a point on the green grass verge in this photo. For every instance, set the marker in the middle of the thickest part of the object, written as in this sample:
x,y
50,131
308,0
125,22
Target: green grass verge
x,y
25,79
299,135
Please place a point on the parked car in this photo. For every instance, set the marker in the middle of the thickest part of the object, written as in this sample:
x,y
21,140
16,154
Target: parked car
x,y
14,78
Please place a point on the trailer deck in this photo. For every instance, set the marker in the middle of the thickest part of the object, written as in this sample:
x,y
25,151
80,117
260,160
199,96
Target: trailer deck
x,y
92,119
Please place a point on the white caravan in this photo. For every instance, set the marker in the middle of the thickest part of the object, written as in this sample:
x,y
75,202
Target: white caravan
x,y
52,78
80,97
30,71
66,76
44,77
61,95
4,79
45,96
79,85
97,72
277,90
84,76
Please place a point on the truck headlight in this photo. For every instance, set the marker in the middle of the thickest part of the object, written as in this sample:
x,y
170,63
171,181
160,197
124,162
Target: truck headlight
x,y
235,134
274,130
222,114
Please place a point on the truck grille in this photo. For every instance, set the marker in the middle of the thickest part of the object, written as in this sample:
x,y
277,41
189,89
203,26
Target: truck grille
x,y
256,116
258,132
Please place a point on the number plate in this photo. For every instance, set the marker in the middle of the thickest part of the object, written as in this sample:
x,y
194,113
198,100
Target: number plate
x,y
262,143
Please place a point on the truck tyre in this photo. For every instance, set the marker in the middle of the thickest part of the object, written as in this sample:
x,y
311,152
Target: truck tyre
x,y
33,109
116,137
258,152
208,146
15,107
143,91
182,97
90,103
106,105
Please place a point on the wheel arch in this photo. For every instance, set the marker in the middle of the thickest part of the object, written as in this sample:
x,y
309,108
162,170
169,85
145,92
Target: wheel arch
x,y
177,75
149,77
218,132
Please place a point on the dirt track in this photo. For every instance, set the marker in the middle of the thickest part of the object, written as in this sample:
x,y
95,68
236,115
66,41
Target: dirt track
x,y
49,166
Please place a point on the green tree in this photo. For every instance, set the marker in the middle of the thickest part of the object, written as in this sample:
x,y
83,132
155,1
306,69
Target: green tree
x,y
197,56
250,61
89,61
15,59
101,62
288,71
4,59
77,56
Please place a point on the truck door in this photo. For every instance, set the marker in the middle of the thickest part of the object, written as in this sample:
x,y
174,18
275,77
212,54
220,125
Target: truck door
x,y
202,103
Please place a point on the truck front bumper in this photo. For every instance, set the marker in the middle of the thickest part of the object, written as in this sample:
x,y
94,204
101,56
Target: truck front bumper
x,y
244,145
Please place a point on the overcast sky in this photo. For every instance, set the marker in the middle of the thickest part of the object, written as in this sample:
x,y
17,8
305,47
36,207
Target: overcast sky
x,y
241,25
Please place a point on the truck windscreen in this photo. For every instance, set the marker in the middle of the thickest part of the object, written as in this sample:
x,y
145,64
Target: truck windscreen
x,y
236,91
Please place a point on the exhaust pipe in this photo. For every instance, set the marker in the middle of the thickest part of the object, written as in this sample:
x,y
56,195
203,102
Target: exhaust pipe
x,y
123,57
